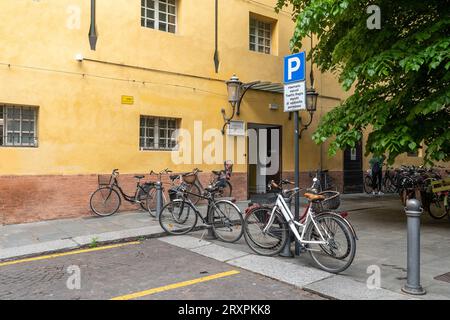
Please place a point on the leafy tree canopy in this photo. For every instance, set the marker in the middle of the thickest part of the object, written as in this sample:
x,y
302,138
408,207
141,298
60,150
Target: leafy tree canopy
x,y
399,73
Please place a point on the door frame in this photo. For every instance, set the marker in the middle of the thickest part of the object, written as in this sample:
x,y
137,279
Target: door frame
x,y
344,171
254,125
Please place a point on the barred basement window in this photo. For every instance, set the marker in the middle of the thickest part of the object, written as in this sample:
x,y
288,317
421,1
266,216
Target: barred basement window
x,y
158,133
18,126
260,36
159,14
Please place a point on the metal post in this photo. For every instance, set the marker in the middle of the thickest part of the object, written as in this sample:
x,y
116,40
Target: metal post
x,y
297,175
287,248
413,211
159,199
211,235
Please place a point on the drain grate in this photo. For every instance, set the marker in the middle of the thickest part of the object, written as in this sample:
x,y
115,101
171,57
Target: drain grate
x,y
445,277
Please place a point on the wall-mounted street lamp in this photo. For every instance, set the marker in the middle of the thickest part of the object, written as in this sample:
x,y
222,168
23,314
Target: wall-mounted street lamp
x,y
236,92
311,100
311,107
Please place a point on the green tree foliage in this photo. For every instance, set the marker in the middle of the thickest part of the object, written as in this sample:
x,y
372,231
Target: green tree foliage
x,y
399,73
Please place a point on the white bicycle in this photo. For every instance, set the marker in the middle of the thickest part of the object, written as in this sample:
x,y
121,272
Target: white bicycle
x,y
327,236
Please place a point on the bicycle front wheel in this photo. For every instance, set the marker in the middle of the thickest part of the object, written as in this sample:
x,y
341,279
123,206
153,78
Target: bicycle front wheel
x,y
178,217
228,221
105,202
335,246
436,207
264,240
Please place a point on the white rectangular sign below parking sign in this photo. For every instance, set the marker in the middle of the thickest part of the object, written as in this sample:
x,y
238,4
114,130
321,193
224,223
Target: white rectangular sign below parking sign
x,y
295,82
295,96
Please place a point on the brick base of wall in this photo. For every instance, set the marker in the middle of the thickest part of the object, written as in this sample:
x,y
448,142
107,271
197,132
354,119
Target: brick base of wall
x,y
26,199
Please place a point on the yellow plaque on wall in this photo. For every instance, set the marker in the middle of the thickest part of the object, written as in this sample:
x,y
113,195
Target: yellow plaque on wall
x,y
128,100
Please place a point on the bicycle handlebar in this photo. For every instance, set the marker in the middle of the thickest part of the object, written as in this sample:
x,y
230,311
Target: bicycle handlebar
x,y
165,171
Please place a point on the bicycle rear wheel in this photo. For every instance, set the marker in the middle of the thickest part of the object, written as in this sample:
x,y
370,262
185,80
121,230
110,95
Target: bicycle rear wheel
x,y
337,254
267,243
151,201
195,190
368,185
105,202
178,217
228,221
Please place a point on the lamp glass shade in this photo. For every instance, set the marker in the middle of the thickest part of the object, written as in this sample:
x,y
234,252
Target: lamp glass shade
x,y
311,100
234,89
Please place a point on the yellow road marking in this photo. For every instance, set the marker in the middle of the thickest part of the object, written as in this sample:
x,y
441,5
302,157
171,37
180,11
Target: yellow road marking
x,y
176,286
70,253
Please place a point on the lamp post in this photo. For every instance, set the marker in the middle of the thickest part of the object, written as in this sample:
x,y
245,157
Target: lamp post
x,y
236,92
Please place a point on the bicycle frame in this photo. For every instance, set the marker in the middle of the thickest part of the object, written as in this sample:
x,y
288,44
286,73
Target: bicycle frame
x,y
131,199
293,225
211,205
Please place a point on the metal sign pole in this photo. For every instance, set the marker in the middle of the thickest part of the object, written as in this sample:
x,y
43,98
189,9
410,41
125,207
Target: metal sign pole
x,y
294,101
297,175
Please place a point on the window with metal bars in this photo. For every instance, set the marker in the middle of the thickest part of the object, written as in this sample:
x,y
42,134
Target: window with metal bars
x,y
260,36
159,14
18,126
158,133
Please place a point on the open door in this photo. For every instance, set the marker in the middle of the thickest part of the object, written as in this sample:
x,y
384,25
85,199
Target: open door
x,y
264,157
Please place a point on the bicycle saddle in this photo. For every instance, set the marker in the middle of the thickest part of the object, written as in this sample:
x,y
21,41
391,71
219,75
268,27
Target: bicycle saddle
x,y
314,197
174,177
217,173
139,177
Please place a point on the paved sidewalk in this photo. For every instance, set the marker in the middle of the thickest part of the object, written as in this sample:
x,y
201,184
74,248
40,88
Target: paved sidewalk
x,y
49,236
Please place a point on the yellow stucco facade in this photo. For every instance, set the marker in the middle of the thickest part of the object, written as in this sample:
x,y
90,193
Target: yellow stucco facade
x,y
82,126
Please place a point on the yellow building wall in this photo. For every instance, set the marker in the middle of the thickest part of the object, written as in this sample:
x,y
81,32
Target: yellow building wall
x,y
82,126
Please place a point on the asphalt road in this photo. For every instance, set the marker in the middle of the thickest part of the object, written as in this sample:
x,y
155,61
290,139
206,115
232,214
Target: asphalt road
x,y
150,270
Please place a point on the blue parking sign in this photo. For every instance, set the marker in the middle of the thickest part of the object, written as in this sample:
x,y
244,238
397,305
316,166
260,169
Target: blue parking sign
x,y
295,68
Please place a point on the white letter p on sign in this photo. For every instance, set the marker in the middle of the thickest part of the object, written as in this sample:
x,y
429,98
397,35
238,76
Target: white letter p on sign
x,y
294,65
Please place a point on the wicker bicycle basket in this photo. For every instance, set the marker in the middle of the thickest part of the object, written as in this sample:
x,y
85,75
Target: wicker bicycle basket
x,y
190,178
332,201
104,180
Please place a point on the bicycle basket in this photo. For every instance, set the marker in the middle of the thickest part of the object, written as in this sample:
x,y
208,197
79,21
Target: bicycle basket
x,y
332,201
104,180
189,178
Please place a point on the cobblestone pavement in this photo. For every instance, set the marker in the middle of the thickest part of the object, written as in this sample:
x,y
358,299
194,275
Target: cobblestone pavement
x,y
133,268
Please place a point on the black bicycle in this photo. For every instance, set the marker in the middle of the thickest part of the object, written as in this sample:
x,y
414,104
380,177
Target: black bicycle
x,y
150,190
106,200
180,216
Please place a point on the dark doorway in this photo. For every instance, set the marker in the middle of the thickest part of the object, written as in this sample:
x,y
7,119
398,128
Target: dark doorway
x,y
261,148
353,170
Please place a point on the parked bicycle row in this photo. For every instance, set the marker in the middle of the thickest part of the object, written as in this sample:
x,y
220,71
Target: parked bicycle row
x,y
425,184
107,199
322,231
